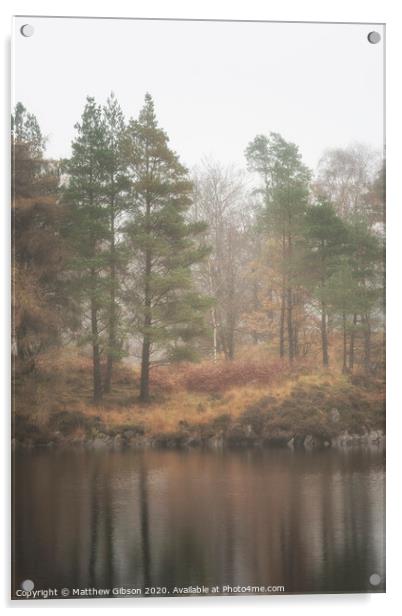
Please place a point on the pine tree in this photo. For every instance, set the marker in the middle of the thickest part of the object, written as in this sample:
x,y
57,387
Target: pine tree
x,y
367,265
116,187
168,313
327,243
342,270
26,130
285,191
88,229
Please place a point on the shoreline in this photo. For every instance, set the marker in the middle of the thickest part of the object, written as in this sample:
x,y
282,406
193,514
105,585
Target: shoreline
x,y
185,441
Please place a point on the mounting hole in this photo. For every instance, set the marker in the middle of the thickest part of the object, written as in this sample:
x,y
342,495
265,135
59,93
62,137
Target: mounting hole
x,y
374,37
375,579
27,585
27,30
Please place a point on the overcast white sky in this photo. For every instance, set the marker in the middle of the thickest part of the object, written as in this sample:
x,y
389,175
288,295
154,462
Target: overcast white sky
x,y
215,84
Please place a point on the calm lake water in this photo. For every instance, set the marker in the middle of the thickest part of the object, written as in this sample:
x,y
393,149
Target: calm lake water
x,y
310,521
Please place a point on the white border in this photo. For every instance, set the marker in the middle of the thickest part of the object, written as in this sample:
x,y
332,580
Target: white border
x,y
378,11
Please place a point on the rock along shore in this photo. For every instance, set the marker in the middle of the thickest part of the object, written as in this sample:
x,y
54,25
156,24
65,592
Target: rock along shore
x,y
231,439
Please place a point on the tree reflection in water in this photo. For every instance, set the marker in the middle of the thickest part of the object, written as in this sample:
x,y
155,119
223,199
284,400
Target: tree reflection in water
x,y
313,522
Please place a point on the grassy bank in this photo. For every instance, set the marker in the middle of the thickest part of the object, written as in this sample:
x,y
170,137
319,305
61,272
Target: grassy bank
x,y
248,402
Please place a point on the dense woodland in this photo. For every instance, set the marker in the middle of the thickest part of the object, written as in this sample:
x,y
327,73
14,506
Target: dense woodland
x,y
123,254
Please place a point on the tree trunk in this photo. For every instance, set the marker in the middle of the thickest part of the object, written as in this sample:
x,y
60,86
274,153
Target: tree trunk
x,y
367,344
290,325
112,312
283,303
289,294
97,374
352,344
282,325
146,343
215,334
296,345
222,342
254,333
231,345
145,361
112,346
213,315
345,345
96,354
324,336
230,328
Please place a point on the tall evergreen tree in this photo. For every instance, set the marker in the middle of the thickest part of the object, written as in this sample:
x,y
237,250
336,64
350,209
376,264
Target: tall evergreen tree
x,y
116,187
285,189
88,229
167,311
327,242
342,270
367,265
25,129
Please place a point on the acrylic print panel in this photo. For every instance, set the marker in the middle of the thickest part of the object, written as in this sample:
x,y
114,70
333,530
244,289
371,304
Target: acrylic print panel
x,y
198,333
